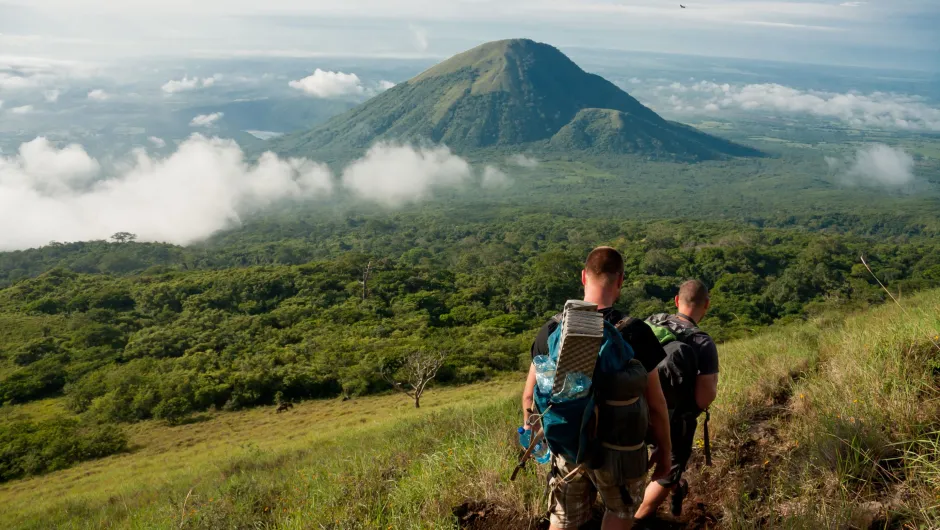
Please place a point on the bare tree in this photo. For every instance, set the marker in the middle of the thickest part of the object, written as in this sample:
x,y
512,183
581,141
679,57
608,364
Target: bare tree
x,y
416,370
365,280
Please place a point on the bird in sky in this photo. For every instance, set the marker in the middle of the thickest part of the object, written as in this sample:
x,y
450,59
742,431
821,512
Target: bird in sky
x,y
682,6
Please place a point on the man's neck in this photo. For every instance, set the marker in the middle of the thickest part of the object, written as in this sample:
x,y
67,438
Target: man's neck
x,y
689,316
601,301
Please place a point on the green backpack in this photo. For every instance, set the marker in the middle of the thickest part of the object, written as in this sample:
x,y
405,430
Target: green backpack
x,y
678,371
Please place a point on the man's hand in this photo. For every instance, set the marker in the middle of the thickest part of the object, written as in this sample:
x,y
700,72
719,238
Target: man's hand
x,y
663,463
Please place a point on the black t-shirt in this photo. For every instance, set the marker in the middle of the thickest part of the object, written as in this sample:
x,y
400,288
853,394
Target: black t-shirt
x,y
639,336
704,347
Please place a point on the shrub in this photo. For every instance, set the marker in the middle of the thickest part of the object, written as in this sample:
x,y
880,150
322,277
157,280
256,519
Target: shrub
x,y
30,448
173,410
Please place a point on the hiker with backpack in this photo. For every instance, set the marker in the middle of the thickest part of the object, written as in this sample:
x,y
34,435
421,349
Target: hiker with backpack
x,y
689,377
597,416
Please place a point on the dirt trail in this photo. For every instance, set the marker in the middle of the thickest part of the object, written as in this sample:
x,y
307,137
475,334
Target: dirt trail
x,y
744,464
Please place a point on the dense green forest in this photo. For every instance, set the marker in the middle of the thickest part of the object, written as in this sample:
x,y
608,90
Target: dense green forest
x,y
187,333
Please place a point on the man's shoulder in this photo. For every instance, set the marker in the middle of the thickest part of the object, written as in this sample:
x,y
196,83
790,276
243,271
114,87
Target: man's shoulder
x,y
704,339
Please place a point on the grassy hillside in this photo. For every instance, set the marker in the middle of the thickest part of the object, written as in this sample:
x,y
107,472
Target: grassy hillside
x,y
824,424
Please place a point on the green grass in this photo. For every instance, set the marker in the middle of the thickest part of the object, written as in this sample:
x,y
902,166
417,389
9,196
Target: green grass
x,y
857,440
856,424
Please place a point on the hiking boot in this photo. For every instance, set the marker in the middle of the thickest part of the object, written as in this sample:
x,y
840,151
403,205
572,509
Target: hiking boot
x,y
678,495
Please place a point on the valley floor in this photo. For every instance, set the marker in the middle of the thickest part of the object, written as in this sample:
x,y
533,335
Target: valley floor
x,y
827,424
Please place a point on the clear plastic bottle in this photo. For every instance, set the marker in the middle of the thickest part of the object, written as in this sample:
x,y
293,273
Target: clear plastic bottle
x,y
576,386
544,373
540,453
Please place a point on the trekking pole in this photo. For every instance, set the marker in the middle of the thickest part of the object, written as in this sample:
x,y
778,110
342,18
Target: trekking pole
x,y
708,445
536,438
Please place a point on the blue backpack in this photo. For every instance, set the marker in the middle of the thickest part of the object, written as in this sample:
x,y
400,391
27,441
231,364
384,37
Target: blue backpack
x,y
570,426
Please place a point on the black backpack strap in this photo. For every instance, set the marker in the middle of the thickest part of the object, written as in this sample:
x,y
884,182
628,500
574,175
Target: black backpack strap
x,y
687,317
624,323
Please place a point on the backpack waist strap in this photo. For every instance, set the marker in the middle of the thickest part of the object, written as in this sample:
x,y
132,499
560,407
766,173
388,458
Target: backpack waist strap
x,y
624,448
626,403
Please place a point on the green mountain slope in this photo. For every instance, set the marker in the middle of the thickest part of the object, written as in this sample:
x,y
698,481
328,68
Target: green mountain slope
x,y
506,93
609,130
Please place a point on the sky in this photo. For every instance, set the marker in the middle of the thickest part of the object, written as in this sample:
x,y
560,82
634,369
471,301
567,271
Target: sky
x,y
876,33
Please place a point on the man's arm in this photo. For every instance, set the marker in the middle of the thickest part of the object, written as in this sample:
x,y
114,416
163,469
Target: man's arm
x,y
706,384
659,423
706,390
528,396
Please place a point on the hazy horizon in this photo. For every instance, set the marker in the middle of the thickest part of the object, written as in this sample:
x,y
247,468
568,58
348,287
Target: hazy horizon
x,y
811,32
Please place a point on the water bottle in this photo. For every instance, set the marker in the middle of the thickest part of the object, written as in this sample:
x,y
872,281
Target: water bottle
x,y
544,373
540,452
576,386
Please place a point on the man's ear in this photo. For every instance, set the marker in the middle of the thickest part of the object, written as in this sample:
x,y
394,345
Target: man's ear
x,y
676,299
620,282
583,277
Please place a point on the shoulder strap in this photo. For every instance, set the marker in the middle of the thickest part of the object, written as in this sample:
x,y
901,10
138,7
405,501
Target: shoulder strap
x,y
557,317
624,323
687,317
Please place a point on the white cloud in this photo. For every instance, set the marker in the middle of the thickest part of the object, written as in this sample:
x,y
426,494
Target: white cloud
x,y
420,37
205,186
852,4
493,177
878,109
325,84
522,160
189,83
394,175
25,109
876,165
206,120
98,95
51,95
17,82
48,168
173,86
385,85
159,143
31,73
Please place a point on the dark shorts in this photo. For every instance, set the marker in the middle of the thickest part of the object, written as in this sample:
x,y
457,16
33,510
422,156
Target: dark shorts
x,y
682,432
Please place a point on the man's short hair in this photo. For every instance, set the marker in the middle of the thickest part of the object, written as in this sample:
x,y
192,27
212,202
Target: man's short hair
x,y
604,262
693,292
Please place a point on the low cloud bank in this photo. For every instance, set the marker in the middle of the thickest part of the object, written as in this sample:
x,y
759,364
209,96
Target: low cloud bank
x,y
393,175
523,161
877,165
877,109
51,193
493,177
